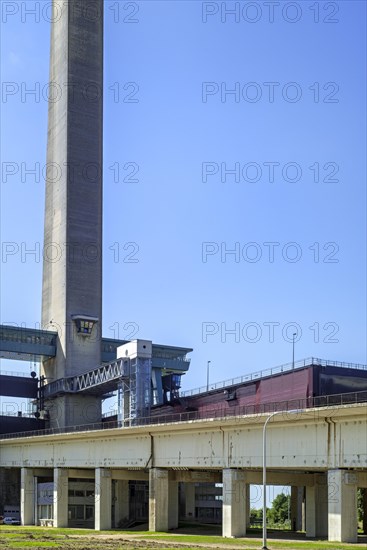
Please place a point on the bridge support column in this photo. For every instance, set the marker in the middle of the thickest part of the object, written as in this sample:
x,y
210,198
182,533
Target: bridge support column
x,y
61,494
190,500
301,523
294,508
234,503
342,506
158,499
103,497
248,505
317,508
122,504
27,496
172,505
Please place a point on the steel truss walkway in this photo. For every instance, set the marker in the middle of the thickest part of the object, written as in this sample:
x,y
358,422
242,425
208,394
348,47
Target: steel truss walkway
x,y
36,345
99,381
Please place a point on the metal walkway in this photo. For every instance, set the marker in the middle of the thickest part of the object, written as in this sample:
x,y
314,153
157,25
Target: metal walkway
x,y
105,379
26,344
32,344
99,381
35,345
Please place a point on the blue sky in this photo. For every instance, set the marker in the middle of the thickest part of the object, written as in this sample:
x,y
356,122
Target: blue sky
x,y
180,136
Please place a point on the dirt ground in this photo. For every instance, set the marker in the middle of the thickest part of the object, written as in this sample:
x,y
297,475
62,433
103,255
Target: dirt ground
x,y
96,543
90,542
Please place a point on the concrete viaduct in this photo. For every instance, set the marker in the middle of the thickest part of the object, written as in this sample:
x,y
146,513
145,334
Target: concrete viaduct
x,y
323,449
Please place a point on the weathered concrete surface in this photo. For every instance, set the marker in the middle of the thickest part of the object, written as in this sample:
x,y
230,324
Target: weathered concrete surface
x,y
317,439
158,500
72,268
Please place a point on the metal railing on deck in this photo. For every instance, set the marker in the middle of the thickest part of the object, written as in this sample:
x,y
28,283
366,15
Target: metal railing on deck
x,y
13,373
18,414
351,398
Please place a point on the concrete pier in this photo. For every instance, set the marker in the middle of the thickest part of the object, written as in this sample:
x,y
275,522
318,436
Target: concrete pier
x,y
61,497
27,496
342,506
158,499
234,503
102,502
317,507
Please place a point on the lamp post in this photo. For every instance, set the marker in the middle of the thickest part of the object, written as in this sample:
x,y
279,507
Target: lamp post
x,y
207,375
293,337
293,411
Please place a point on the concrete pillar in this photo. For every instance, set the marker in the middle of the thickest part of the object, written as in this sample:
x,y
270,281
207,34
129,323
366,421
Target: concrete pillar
x,y
103,498
61,494
122,510
234,503
301,510
294,508
172,505
158,499
342,491
310,511
190,500
302,507
248,505
317,508
27,496
364,507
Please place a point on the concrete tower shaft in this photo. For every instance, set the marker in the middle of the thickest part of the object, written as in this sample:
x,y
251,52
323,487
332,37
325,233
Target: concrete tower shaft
x,y
72,269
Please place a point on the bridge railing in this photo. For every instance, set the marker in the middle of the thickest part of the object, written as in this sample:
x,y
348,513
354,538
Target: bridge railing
x,y
18,414
186,416
14,373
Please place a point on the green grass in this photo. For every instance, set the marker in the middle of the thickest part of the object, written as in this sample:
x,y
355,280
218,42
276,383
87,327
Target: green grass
x,y
38,537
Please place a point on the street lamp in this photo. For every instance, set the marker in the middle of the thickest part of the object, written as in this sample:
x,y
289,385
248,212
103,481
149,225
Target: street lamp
x,y
207,376
293,337
292,411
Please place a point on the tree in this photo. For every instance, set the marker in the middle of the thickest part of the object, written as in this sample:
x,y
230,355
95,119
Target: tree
x,y
256,517
279,511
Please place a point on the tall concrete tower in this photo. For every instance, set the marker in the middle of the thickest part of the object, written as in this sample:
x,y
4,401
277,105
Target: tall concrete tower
x,y
72,267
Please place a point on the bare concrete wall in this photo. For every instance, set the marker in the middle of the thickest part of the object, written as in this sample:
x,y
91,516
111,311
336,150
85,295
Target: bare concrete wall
x,y
72,268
